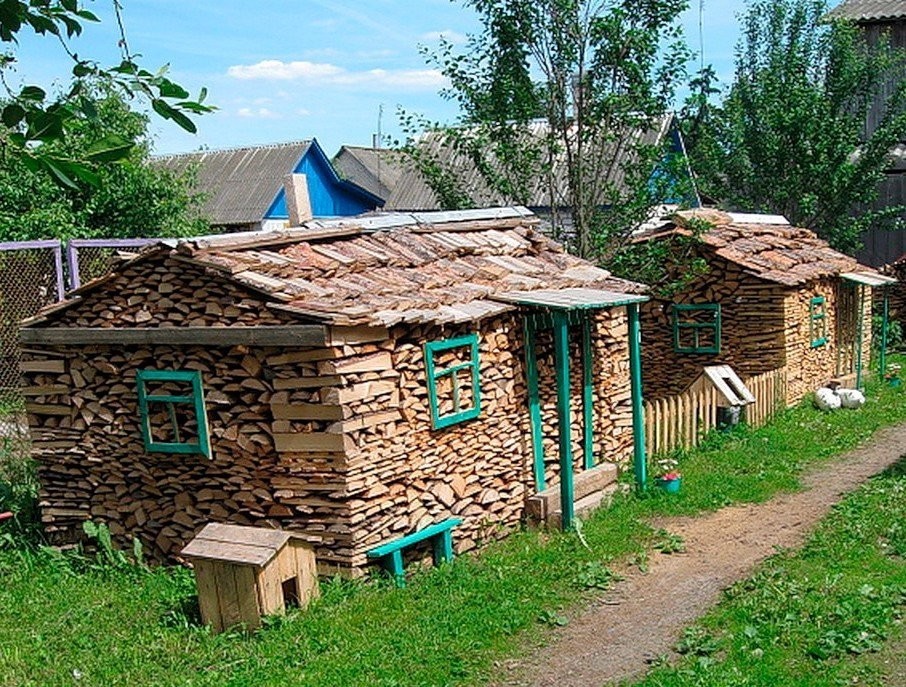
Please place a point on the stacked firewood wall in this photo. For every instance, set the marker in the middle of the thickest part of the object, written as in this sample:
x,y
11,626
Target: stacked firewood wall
x,y
752,330
404,475
810,366
896,294
175,293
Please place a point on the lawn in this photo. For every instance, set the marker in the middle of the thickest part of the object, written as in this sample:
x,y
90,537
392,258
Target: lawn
x,y
65,620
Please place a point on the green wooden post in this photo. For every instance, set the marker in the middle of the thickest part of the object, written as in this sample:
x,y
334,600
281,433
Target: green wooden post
x,y
638,409
884,324
534,401
587,398
561,365
860,294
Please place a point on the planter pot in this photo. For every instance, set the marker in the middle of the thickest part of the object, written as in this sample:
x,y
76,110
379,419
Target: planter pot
x,y
895,382
671,486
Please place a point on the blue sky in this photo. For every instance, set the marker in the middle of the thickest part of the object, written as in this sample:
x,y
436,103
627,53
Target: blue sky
x,y
281,70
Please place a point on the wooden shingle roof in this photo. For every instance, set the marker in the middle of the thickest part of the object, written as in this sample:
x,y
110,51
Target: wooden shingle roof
x,y
766,246
387,269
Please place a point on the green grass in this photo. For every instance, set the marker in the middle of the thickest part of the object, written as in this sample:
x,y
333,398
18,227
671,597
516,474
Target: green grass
x,y
64,621
805,618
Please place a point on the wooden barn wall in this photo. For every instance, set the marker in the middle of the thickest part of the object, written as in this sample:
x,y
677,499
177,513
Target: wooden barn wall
x,y
883,245
897,295
92,463
752,330
367,469
810,367
895,33
404,475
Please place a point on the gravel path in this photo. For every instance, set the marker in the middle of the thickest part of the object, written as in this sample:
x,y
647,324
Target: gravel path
x,y
631,624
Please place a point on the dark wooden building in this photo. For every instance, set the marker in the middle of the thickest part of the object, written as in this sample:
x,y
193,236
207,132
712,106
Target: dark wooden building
x,y
349,381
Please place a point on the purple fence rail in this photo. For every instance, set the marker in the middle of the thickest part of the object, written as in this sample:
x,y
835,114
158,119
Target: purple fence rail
x,y
90,258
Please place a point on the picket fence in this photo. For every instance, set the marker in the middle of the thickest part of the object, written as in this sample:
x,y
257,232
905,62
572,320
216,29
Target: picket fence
x,y
683,421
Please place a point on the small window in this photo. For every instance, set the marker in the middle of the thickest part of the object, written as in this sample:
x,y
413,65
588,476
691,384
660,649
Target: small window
x,y
171,407
817,321
696,328
452,366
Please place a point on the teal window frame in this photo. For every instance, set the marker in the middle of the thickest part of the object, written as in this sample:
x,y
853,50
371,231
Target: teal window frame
x,y
696,327
434,374
195,400
817,321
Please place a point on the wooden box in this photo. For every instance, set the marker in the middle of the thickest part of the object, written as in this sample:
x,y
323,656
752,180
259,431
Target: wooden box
x,y
244,573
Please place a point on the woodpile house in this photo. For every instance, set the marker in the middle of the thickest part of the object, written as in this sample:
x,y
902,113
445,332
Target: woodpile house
x,y
351,381
773,296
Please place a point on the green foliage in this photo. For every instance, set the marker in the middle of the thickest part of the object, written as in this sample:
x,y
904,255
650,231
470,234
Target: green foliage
x,y
129,199
790,136
560,79
32,122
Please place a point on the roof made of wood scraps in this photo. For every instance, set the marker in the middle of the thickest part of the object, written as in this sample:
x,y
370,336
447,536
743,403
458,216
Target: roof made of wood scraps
x,y
869,10
766,246
411,193
387,269
239,184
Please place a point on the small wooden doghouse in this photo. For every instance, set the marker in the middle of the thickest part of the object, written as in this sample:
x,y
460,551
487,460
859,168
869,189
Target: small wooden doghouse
x,y
732,393
244,573
773,296
354,382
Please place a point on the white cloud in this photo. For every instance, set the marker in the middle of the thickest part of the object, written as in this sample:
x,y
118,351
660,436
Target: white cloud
x,y
259,113
302,112
321,73
449,35
277,69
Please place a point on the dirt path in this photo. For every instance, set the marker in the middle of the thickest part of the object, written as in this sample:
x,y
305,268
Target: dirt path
x,y
632,624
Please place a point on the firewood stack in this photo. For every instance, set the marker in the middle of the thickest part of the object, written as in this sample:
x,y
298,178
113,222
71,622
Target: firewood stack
x,y
332,441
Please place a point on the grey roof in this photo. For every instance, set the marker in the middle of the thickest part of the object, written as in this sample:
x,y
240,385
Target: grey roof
x,y
869,10
413,194
239,183
377,170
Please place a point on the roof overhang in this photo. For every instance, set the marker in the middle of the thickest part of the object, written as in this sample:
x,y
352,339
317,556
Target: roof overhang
x,y
570,299
873,279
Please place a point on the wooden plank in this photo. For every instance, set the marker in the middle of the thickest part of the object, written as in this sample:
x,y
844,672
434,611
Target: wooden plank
x,y
246,596
306,411
46,390
233,552
305,382
208,601
270,591
281,335
306,572
227,594
240,534
311,442
376,362
53,366
48,408
337,336
357,392
309,355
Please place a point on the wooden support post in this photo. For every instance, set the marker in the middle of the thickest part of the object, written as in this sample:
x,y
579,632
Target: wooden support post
x,y
860,294
587,398
534,401
561,365
638,410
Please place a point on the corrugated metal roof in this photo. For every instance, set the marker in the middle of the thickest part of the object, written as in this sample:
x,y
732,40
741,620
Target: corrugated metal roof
x,y
377,170
412,193
239,183
869,10
771,250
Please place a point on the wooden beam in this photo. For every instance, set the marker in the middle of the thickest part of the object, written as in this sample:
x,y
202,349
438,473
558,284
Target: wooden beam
x,y
288,335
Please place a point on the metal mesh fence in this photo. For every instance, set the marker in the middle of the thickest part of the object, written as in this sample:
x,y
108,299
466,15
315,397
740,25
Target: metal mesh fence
x,y
87,259
30,277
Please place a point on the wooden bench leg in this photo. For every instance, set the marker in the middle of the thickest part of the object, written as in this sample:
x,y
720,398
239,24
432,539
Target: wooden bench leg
x,y
443,547
395,567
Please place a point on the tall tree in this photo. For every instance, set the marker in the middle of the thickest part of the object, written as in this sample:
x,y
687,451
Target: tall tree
x,y
593,72
129,199
31,118
790,137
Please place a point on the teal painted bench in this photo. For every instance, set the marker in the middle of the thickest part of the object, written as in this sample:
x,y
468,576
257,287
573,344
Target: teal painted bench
x,y
391,553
